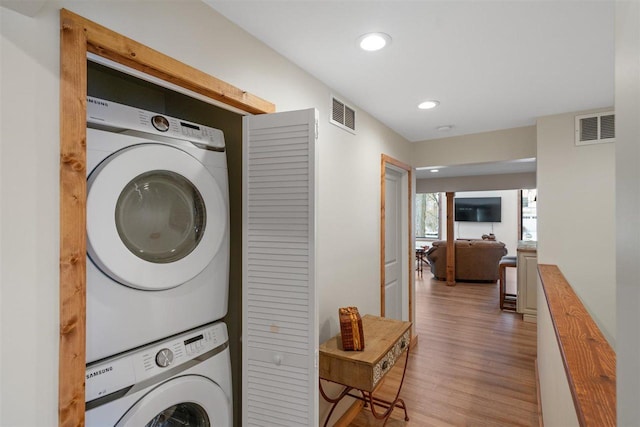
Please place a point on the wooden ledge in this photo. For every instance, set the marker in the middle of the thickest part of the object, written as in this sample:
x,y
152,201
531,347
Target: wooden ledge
x,y
588,359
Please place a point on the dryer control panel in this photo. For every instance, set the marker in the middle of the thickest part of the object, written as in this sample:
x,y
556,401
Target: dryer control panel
x,y
162,360
108,114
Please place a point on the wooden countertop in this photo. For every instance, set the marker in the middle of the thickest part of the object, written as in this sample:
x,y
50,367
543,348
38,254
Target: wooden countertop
x,y
527,246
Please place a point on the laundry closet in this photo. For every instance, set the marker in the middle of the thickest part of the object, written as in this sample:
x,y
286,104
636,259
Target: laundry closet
x,y
272,178
272,246
119,90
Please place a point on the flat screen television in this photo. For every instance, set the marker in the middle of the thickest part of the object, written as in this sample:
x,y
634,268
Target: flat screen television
x,y
478,209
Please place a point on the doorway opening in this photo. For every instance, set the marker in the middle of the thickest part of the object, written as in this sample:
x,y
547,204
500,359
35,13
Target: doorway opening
x,y
396,252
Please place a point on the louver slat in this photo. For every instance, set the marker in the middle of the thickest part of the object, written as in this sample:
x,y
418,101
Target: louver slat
x,y
280,379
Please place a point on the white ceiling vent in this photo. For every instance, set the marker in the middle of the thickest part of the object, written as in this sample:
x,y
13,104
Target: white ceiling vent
x,y
595,128
342,115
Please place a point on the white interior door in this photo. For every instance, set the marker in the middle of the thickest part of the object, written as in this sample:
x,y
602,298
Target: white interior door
x,y
395,285
280,327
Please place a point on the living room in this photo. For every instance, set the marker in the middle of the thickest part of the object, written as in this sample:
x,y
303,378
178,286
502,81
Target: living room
x,y
490,228
507,228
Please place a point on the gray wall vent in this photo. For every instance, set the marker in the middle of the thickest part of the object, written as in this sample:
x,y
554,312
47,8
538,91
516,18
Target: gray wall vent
x,y
595,128
342,115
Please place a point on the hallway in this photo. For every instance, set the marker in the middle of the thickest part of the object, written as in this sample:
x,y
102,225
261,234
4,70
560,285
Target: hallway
x,y
473,365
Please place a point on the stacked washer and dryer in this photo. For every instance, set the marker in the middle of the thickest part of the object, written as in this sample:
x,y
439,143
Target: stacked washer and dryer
x,y
157,270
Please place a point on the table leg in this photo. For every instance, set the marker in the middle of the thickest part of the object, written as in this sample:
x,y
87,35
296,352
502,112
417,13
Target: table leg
x,y
397,402
501,276
368,398
333,401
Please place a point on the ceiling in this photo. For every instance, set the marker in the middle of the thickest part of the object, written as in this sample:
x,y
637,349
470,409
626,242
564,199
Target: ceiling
x,y
491,64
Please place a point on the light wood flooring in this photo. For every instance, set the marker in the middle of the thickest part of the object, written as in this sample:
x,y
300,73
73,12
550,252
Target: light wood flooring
x,y
474,365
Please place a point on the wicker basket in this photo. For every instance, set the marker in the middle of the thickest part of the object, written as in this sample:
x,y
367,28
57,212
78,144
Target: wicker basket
x,y
351,329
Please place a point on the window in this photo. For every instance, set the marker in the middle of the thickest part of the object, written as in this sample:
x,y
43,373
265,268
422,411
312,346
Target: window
x,y
428,215
529,214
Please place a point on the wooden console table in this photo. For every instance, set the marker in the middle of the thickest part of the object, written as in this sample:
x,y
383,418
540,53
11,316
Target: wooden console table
x,y
385,341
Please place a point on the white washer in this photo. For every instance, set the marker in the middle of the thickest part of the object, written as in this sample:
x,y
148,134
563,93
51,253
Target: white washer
x,y
157,227
185,380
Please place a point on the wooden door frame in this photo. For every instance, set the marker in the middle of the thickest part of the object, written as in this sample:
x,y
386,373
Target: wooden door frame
x,y
384,162
79,36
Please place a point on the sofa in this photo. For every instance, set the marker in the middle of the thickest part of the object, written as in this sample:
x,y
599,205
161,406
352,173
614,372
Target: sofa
x,y
476,260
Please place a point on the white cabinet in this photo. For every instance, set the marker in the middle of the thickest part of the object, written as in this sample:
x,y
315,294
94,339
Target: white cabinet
x,y
527,280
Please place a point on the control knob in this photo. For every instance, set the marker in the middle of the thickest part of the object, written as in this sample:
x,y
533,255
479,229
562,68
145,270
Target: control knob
x,y
164,358
160,122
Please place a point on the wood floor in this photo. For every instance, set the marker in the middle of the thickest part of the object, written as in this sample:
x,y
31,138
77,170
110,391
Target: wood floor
x,y
473,365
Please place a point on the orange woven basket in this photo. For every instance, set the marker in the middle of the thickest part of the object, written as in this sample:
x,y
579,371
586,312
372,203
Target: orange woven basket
x,y
351,329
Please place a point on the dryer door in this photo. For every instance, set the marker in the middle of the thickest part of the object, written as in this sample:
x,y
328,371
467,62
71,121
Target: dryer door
x,y
183,401
155,216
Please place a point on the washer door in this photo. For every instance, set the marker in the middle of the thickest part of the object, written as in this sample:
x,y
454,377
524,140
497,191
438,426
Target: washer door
x,y
155,217
183,401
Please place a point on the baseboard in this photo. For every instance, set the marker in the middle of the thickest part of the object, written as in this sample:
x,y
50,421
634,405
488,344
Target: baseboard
x,y
540,419
350,414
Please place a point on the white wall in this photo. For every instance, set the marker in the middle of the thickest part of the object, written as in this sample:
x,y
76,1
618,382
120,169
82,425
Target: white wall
x,y
1,222
508,181
494,146
349,175
627,208
576,217
29,227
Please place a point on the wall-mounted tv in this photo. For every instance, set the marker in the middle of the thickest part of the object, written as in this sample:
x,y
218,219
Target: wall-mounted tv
x,y
478,209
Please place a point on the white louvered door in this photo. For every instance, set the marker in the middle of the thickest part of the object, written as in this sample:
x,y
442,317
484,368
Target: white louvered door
x,y
279,331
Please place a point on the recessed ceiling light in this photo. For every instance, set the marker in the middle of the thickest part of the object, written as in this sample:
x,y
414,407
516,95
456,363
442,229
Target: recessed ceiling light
x,y
430,168
427,105
434,170
444,128
373,41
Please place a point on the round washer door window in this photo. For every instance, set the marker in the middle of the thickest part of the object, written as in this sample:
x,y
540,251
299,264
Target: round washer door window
x,y
155,217
181,415
160,216
190,400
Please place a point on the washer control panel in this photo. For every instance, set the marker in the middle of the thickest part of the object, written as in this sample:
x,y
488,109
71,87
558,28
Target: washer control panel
x,y
163,358
103,113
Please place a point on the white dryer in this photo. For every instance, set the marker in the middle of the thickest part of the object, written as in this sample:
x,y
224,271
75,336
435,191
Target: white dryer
x,y
184,380
157,227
